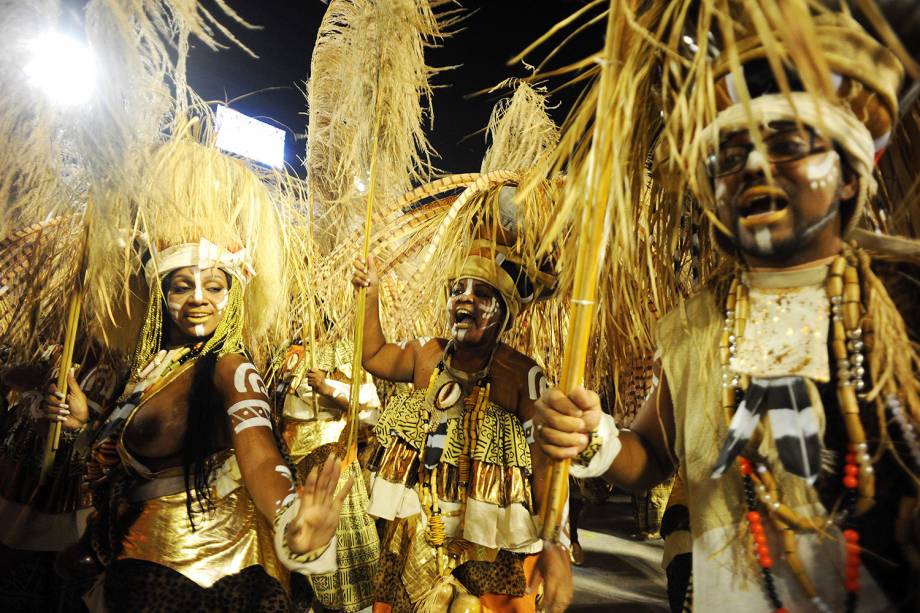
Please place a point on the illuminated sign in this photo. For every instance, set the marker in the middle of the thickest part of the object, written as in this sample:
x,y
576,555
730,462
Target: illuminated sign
x,y
248,137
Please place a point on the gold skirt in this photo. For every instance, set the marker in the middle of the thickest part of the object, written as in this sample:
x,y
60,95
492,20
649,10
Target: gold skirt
x,y
230,537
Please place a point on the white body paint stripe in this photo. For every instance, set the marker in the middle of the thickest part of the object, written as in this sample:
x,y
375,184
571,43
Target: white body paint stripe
x,y
528,431
253,422
246,372
536,382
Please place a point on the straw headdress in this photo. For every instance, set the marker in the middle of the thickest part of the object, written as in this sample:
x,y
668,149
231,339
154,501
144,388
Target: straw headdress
x,y
672,73
62,161
368,101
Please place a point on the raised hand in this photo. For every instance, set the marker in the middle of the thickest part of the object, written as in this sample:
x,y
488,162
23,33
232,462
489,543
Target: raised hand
x,y
317,380
366,275
318,516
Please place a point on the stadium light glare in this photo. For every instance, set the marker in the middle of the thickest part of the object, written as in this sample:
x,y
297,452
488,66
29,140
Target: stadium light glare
x,y
249,137
63,68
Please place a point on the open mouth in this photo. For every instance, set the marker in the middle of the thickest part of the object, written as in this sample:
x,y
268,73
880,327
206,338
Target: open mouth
x,y
761,205
197,318
463,318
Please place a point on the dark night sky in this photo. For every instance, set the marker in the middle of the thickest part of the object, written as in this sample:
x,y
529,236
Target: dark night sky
x,y
492,34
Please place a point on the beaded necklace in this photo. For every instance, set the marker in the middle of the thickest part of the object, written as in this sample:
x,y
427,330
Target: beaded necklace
x,y
474,410
851,330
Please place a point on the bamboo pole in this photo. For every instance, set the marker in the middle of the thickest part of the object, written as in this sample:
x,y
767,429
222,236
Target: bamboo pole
x,y
592,243
74,307
311,311
357,371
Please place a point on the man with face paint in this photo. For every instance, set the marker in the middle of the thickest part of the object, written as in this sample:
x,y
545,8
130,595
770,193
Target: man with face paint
x,y
459,479
790,408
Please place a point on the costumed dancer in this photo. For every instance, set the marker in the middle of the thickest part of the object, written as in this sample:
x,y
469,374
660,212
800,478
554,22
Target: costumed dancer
x,y
61,155
195,504
368,98
789,393
316,398
456,478
315,405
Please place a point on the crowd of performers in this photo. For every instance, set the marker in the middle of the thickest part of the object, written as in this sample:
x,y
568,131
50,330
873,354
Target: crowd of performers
x,y
243,453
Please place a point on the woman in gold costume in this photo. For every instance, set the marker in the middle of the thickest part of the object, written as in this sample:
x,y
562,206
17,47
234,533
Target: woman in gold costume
x,y
195,503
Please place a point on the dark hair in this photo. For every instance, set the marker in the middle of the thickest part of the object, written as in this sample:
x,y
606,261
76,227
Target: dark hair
x,y
205,412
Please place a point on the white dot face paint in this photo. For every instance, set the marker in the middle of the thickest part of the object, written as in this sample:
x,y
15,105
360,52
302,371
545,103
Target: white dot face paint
x,y
821,171
721,192
764,240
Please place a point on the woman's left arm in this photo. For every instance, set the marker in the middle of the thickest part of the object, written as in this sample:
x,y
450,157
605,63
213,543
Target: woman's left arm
x,y
305,518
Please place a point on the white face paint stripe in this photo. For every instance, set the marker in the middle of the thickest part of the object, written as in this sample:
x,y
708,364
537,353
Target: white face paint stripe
x,y
199,330
199,292
764,240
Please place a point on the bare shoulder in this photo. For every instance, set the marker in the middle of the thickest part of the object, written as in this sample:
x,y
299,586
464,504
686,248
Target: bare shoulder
x,y
523,370
235,371
430,352
430,346
513,362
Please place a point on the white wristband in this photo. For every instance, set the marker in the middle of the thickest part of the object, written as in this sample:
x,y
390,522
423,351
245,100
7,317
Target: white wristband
x,y
318,562
609,434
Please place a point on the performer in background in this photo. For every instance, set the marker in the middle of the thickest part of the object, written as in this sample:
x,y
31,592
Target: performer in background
x,y
459,480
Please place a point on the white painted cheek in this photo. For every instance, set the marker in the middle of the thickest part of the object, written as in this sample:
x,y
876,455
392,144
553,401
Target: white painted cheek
x,y
222,304
174,308
489,313
822,172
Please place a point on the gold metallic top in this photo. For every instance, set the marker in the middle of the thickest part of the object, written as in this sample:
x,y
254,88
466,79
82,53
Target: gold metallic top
x,y
230,537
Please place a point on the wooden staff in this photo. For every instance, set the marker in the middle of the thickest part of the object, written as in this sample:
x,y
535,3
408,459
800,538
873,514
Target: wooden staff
x,y
53,440
357,372
592,242
311,310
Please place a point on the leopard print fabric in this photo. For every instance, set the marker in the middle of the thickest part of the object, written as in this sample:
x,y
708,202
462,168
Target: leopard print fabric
x,y
504,576
145,587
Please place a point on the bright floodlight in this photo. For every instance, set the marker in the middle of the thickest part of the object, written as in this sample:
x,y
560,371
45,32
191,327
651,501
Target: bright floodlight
x,y
63,68
251,138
